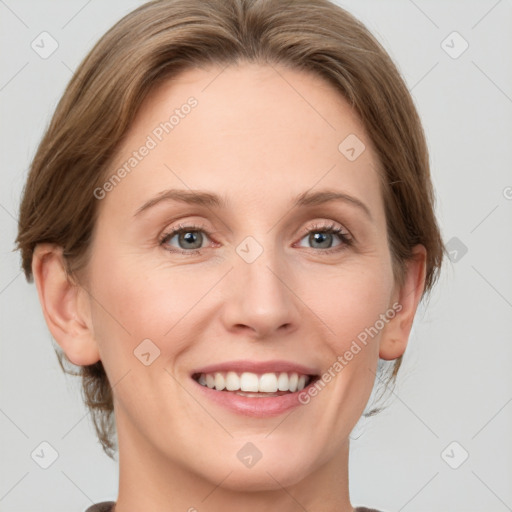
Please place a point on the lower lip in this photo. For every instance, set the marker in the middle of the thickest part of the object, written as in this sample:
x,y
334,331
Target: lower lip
x,y
256,406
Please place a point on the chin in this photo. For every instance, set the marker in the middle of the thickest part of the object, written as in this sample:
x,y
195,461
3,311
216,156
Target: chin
x,y
270,473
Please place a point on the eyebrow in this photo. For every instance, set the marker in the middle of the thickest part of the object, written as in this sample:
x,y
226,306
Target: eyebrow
x,y
211,200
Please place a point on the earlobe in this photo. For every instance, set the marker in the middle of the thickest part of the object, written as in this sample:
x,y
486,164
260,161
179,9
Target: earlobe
x,y
65,311
396,335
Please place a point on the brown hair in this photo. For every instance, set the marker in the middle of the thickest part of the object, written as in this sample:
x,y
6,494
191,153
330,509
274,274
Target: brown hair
x,y
157,41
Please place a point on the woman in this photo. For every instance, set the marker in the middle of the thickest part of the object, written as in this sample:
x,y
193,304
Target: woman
x,y
171,220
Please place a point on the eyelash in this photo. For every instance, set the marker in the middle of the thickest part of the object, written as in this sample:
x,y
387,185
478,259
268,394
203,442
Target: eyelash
x,y
332,229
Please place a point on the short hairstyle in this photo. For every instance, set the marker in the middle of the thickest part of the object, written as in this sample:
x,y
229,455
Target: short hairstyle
x,y
164,37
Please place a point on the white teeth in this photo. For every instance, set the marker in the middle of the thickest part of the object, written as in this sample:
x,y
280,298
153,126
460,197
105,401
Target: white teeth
x,y
232,381
210,380
292,382
249,382
268,383
253,383
220,382
282,382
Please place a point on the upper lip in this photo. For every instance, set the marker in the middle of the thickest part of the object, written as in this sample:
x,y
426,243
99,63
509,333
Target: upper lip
x,y
257,367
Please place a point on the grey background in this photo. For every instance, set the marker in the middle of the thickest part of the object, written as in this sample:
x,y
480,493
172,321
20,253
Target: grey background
x,y
455,383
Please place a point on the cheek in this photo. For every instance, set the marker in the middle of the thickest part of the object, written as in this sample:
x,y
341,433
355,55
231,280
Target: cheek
x,y
137,300
350,300
351,304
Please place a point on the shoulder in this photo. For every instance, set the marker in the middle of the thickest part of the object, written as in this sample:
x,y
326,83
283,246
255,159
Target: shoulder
x,y
104,506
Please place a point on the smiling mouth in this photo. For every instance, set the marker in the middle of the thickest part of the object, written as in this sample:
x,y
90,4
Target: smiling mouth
x,y
255,385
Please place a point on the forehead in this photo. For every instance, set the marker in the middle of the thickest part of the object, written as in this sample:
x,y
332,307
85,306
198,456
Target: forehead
x,y
258,132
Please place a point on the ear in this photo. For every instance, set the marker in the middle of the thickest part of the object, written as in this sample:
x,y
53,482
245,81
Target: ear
x,y
65,306
396,333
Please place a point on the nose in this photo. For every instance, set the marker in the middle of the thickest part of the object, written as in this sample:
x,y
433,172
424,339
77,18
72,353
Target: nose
x,y
260,302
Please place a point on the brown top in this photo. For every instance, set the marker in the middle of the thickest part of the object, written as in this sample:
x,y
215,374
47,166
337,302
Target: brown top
x,y
106,506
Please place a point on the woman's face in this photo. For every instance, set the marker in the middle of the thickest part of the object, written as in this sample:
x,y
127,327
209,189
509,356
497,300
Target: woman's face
x,y
269,276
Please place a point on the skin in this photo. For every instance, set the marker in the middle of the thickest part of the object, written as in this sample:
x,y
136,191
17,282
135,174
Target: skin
x,y
259,143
